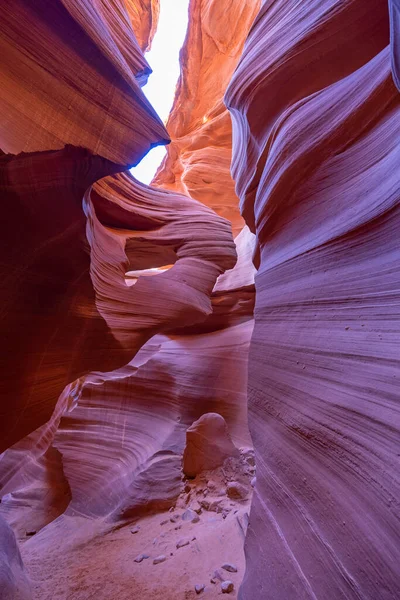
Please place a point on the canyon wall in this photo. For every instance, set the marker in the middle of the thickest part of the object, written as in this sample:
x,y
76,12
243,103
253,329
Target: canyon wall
x,y
100,271
70,78
95,312
316,153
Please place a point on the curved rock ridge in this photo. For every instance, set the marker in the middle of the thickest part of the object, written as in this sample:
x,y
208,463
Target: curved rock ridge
x,y
315,159
198,159
196,240
47,291
110,429
130,226
87,92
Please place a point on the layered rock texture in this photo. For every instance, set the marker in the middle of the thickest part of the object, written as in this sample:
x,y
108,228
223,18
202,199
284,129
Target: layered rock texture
x,y
316,156
118,334
130,369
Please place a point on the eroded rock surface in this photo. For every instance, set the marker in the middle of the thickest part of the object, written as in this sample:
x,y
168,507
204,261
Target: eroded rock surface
x,y
315,115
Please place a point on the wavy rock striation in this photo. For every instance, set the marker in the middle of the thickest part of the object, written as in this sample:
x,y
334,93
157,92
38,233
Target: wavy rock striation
x,y
85,94
316,170
116,272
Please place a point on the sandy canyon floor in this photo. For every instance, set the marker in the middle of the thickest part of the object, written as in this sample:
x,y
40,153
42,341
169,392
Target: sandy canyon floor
x,y
76,558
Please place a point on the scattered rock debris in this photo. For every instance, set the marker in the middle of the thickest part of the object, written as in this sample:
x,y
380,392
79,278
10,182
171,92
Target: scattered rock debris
x,y
141,557
135,529
229,567
190,515
227,587
236,490
217,576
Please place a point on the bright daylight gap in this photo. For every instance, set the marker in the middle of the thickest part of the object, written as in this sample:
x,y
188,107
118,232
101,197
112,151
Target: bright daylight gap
x,y
163,58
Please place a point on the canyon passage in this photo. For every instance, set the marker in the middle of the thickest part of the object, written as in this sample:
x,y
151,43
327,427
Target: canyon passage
x,y
200,299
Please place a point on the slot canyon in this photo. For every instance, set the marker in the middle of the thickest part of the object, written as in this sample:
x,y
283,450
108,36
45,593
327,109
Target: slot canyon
x,y
200,375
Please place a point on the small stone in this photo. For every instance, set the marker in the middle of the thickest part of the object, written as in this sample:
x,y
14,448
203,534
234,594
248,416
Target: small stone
x,y
199,588
182,543
159,559
141,557
212,580
135,529
178,527
174,519
229,567
31,532
227,587
205,504
190,515
164,522
217,576
253,482
194,538
216,506
236,490
250,459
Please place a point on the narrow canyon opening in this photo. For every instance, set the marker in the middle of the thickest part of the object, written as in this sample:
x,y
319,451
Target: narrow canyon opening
x,y
163,58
